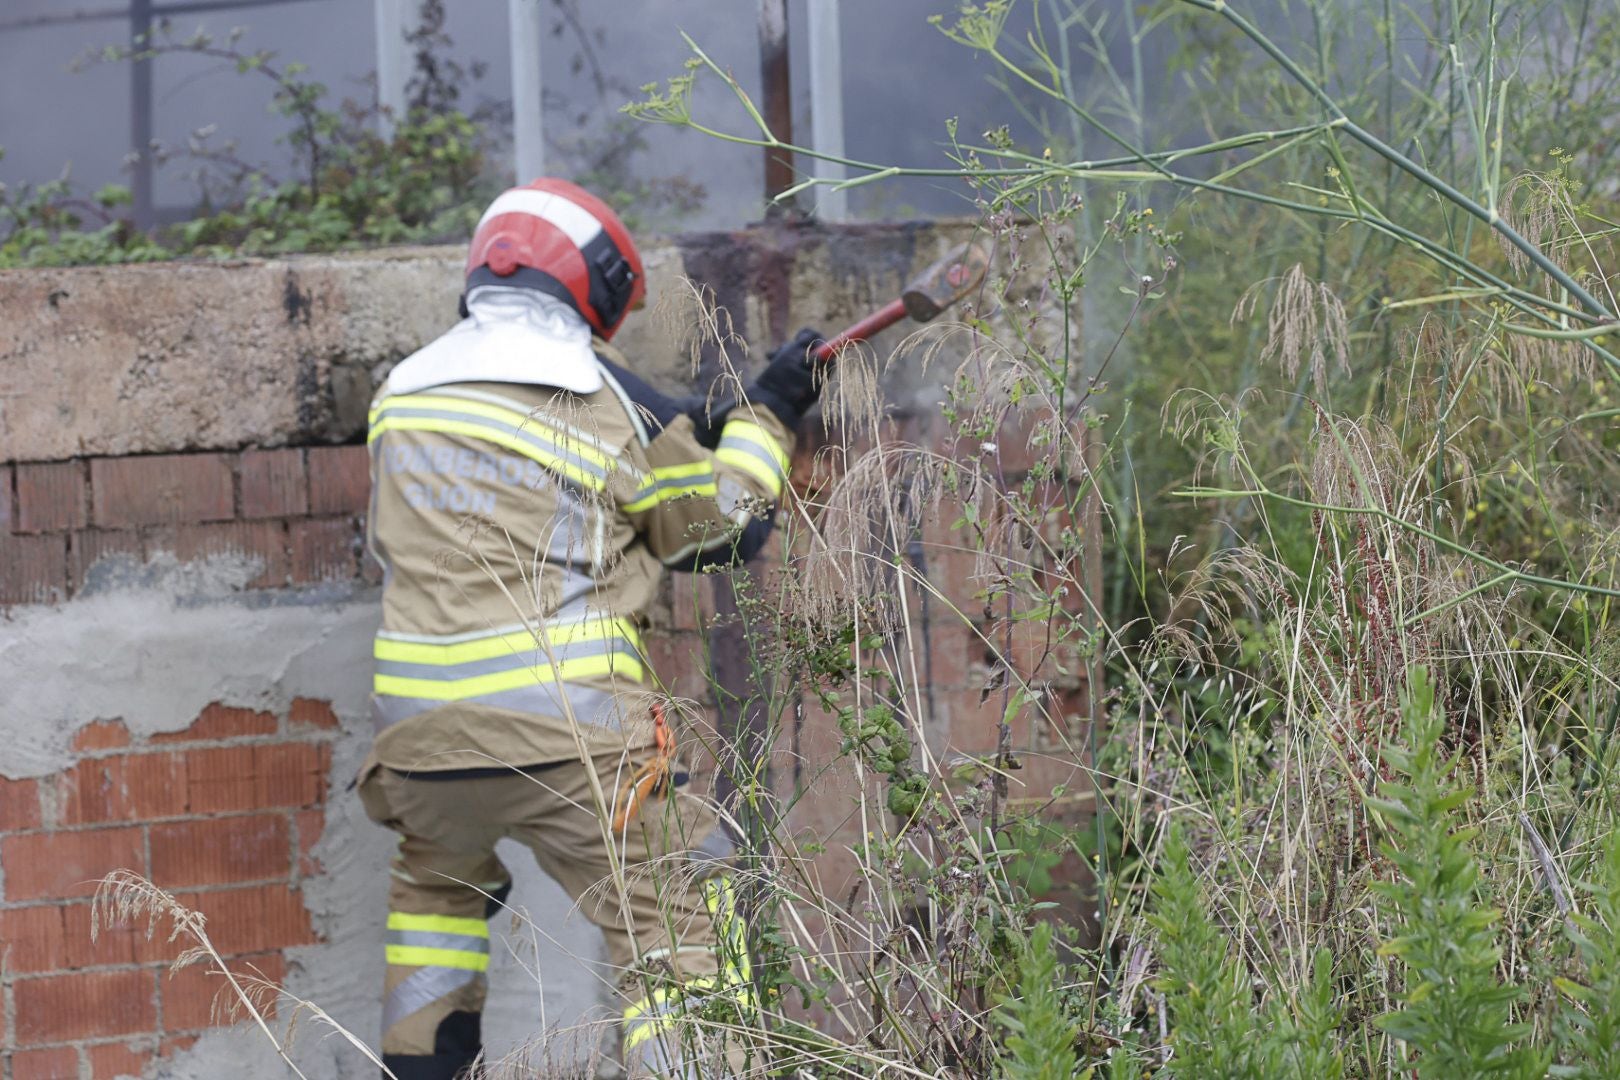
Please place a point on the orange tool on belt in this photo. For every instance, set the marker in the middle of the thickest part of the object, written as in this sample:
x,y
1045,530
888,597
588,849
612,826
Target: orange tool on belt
x,y
652,778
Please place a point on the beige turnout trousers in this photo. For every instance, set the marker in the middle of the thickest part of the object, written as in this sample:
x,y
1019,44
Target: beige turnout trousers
x,y
673,936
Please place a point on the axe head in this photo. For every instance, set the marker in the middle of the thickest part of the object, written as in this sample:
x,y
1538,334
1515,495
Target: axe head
x,y
956,274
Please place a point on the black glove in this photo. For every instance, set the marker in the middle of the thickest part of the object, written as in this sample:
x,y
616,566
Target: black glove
x,y
790,383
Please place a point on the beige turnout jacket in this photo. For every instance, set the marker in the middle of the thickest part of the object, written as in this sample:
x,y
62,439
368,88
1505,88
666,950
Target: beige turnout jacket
x,y
523,531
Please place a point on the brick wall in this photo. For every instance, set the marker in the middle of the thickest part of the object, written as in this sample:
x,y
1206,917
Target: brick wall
x,y
223,814
297,512
224,803
225,811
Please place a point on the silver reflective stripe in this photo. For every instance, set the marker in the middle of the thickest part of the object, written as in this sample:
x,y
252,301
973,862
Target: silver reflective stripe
x,y
566,545
516,661
753,450
429,939
598,708
422,988
522,434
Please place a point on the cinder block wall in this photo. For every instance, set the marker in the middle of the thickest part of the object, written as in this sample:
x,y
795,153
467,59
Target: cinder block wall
x,y
185,621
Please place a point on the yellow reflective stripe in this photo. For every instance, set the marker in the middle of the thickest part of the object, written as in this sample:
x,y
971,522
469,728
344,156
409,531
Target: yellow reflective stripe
x,y
636,1008
476,430
748,463
652,499
750,432
682,471
721,901
441,924
418,956
664,485
494,412
586,667
639,1034
462,652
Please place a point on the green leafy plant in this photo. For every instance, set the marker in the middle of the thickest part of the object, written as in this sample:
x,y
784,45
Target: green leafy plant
x,y
1589,1027
1456,1016
1040,1035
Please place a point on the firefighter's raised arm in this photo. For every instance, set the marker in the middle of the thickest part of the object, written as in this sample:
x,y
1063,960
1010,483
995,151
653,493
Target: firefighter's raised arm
x,y
698,505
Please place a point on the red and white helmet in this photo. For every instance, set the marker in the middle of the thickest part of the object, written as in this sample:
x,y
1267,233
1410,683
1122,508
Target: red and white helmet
x,y
557,237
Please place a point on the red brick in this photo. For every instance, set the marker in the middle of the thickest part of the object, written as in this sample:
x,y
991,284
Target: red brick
x,y
310,712
975,726
254,919
162,488
679,661
136,787
220,780
101,735
235,778
220,851
291,774
199,996
109,1061
239,778
273,484
222,722
263,542
92,547
5,498
57,1063
84,1005
31,940
51,496
33,569
325,550
692,601
285,919
19,805
138,940
310,825
42,866
339,480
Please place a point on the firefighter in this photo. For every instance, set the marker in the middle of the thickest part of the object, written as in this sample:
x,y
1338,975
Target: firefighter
x,y
528,493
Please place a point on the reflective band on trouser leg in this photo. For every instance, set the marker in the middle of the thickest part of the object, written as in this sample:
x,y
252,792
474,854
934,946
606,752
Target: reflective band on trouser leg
x,y
448,951
747,446
666,1009
508,668
432,1016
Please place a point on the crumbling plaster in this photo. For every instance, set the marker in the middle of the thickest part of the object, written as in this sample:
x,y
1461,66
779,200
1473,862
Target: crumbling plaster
x,y
160,641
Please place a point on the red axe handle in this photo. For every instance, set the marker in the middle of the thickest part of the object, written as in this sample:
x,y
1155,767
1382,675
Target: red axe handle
x,y
881,319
